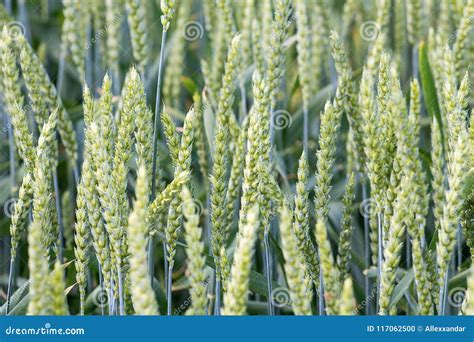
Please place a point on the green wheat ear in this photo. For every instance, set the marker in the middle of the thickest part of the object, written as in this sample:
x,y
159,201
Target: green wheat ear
x,y
298,280
195,253
143,296
81,240
74,34
345,236
138,32
330,273
218,192
167,8
347,298
58,298
39,270
36,77
183,164
301,222
174,70
42,213
235,298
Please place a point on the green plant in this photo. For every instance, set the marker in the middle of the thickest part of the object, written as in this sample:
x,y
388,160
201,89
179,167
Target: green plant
x,y
269,104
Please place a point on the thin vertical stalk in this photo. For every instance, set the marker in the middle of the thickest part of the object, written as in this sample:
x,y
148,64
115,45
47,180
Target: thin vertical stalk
x,y
89,60
459,249
11,147
75,173
217,306
101,284
244,101
169,284
157,115
23,16
305,129
59,215
266,244
61,66
116,80
442,296
414,64
10,283
268,273
156,129
366,249
8,6
97,62
151,255
380,254
210,291
321,307
165,262
414,61
111,296
408,262
120,289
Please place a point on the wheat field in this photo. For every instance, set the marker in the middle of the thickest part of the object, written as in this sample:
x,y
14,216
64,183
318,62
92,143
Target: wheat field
x,y
250,157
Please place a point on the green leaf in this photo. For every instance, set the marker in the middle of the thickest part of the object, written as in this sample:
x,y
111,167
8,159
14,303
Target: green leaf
x,y
16,298
160,296
459,280
428,85
21,306
189,85
258,284
257,281
209,123
402,287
